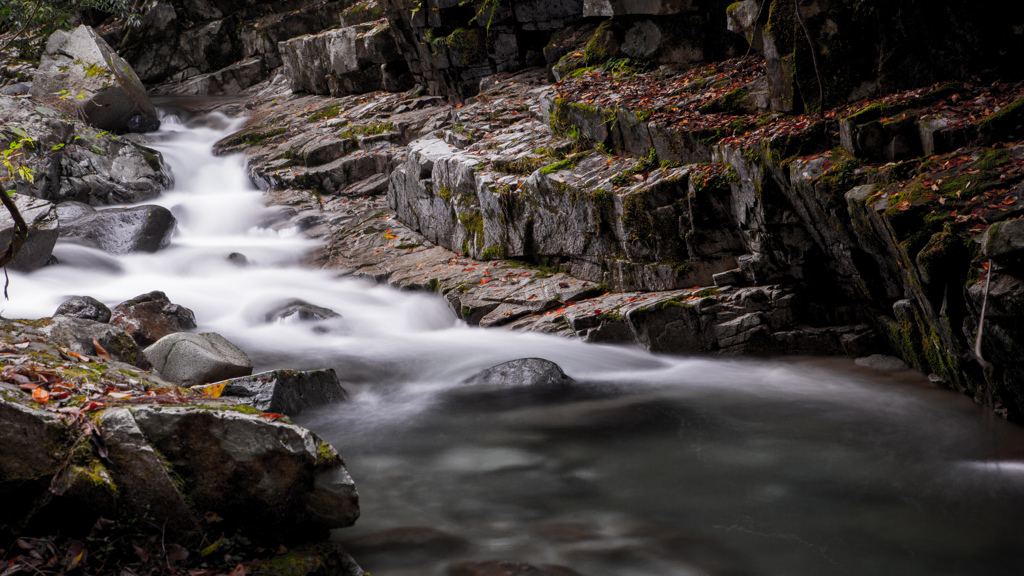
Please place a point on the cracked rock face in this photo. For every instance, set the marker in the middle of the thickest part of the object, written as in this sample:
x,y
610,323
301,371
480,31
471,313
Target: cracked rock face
x,y
273,480
82,66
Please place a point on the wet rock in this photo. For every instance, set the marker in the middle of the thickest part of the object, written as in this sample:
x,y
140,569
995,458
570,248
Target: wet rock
x,y
109,170
529,372
140,474
32,451
95,78
149,317
882,363
338,62
78,334
84,307
122,230
285,391
238,259
505,568
301,311
41,218
194,359
274,480
1004,242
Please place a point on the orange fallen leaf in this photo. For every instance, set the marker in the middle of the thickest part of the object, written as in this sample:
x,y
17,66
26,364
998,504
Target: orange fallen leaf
x,y
41,395
100,351
213,390
271,416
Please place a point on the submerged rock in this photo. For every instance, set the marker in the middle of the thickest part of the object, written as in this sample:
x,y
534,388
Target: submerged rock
x,y
84,307
530,372
121,230
285,391
300,310
41,218
194,359
81,67
149,317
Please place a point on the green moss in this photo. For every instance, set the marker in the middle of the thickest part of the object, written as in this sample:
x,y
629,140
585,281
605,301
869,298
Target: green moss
x,y
325,113
602,45
493,253
1005,125
523,166
470,44
636,217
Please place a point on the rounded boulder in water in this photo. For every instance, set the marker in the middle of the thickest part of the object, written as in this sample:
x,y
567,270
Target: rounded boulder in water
x,y
530,372
84,307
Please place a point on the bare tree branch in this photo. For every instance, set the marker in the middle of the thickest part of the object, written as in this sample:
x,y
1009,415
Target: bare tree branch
x,y
19,236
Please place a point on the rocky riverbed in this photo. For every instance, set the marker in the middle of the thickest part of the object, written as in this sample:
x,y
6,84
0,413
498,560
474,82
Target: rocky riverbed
x,y
669,175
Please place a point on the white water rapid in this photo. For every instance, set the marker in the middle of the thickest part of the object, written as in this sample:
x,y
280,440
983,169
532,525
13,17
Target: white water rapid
x,y
660,466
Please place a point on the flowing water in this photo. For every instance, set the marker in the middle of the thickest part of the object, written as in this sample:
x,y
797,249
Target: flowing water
x,y
657,465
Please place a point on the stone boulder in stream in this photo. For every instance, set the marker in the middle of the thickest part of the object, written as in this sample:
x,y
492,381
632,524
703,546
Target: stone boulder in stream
x,y
149,317
194,359
283,391
41,218
117,230
79,67
525,372
85,308
299,310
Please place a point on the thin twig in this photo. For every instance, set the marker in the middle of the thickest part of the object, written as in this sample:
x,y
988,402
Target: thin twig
x,y
28,22
17,238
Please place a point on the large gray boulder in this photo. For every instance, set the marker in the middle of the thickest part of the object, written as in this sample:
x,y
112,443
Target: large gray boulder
x,y
338,62
41,218
73,161
275,481
149,317
194,359
121,230
529,372
285,391
81,68
79,334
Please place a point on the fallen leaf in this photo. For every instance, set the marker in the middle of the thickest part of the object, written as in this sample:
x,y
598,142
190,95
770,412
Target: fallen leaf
x,y
100,351
41,395
271,416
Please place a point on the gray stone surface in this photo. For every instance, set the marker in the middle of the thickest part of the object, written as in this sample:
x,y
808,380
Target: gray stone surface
x,y
268,477
77,334
194,359
1004,241
41,218
528,372
73,161
84,307
122,230
342,61
285,391
81,68
299,310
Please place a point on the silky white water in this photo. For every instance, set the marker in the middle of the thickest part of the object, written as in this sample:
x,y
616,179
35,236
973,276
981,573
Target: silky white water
x,y
658,465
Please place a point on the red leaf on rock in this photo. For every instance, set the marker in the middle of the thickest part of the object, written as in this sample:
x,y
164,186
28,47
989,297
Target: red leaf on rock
x,y
271,416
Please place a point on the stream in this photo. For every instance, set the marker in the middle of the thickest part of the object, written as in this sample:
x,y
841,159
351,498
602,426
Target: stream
x,y
655,465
